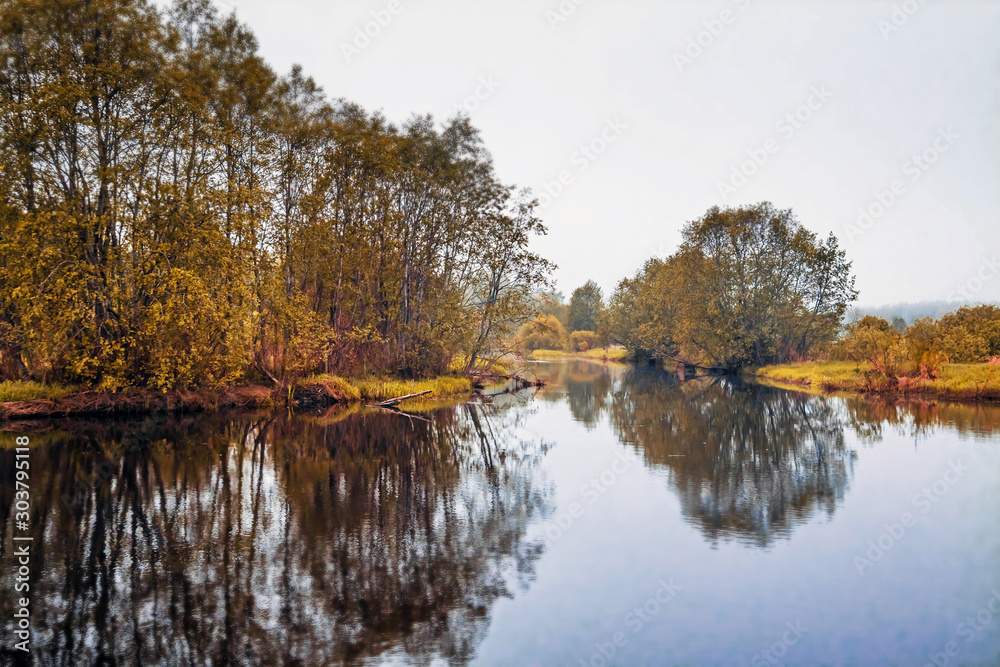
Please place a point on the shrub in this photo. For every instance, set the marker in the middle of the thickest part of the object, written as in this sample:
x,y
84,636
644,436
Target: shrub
x,y
543,333
581,341
963,346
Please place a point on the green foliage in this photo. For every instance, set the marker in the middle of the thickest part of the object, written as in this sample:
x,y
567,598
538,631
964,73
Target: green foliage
x,y
545,332
581,341
585,308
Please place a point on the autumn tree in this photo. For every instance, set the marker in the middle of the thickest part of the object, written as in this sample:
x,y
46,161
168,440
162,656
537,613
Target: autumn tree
x,y
748,285
585,307
192,218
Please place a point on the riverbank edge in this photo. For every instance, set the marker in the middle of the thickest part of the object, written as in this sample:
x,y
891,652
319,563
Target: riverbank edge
x,y
616,355
965,390
308,394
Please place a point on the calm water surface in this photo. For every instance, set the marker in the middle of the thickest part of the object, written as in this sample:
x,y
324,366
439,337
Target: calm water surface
x,y
617,516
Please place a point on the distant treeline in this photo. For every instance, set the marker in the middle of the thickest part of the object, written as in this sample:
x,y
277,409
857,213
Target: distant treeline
x,y
908,313
173,213
748,285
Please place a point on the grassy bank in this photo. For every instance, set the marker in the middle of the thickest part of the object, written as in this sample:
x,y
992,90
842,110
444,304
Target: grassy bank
x,y
32,391
611,354
955,381
382,389
30,400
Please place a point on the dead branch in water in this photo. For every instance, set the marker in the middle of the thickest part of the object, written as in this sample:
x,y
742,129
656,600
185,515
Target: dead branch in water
x,y
392,402
401,413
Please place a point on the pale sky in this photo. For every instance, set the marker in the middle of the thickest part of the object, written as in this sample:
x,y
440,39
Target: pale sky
x,y
883,86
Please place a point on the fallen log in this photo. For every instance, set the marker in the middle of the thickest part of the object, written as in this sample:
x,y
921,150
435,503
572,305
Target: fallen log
x,y
396,401
401,413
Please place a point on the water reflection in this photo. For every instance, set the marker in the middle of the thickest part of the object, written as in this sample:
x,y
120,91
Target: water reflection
x,y
359,535
306,541
748,462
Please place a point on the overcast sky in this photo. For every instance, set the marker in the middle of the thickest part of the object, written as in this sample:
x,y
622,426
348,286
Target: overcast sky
x,y
673,98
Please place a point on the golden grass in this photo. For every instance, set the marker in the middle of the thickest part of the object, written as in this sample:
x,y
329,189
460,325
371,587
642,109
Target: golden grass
x,y
611,354
382,389
814,373
961,381
338,385
29,391
375,389
459,362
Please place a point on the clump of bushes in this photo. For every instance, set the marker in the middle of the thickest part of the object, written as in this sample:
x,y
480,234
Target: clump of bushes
x,y
581,341
969,335
545,332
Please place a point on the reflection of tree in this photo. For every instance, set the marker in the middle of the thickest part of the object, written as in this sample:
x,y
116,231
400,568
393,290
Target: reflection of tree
x,y
586,384
277,542
918,418
748,461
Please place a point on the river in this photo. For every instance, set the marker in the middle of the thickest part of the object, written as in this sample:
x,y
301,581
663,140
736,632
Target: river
x,y
616,516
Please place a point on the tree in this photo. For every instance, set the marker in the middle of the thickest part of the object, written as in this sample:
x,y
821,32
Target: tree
x,y
585,308
193,218
748,285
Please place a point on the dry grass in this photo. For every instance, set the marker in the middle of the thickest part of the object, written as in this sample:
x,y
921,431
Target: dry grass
x,y
382,389
459,362
817,374
960,381
338,386
614,353
30,391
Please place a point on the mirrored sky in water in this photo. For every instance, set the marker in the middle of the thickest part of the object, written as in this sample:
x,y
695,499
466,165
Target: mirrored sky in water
x,y
616,515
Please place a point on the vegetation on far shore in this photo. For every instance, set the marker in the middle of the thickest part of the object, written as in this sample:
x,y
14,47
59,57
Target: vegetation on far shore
x,y
615,353
954,381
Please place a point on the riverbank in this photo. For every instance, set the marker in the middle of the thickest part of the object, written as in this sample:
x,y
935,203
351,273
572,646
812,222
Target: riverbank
x,y
960,382
30,400
611,354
